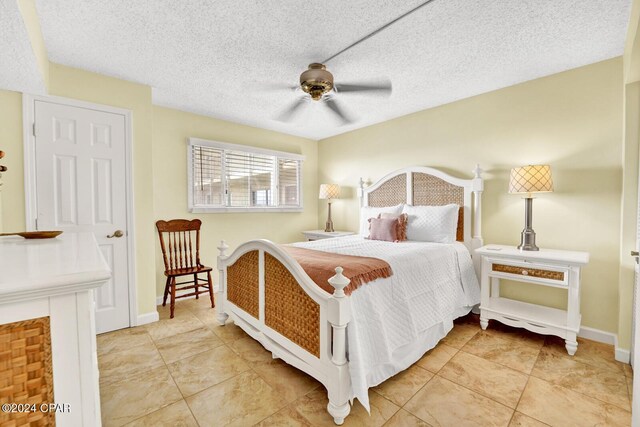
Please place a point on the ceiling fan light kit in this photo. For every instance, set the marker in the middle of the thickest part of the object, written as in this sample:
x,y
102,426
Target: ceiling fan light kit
x,y
316,81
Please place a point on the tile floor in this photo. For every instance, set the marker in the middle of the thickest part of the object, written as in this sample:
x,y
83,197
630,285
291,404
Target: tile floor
x,y
189,371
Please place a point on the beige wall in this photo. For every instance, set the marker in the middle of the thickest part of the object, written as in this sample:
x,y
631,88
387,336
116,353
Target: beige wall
x,y
171,128
572,120
159,168
12,189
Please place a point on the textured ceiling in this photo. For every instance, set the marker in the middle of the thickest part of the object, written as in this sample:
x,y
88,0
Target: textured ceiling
x,y
219,58
18,66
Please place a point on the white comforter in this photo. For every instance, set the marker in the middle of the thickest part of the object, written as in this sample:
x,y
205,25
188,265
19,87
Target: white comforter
x,y
396,320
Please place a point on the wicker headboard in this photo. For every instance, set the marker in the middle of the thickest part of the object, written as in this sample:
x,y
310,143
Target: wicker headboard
x,y
421,186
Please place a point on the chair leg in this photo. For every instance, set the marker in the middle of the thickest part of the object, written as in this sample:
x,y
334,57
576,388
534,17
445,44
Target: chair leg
x,y
173,296
166,291
195,282
213,304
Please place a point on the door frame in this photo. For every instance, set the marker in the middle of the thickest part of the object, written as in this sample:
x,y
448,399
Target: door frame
x,y
30,200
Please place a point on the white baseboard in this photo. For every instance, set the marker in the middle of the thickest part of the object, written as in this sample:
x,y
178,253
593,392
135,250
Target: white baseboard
x,y
621,354
159,298
145,318
597,335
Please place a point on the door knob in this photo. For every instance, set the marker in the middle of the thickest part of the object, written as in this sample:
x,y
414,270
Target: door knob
x,y
635,253
117,233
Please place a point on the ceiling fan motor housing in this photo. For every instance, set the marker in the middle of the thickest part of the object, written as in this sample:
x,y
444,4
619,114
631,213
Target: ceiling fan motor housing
x,y
316,81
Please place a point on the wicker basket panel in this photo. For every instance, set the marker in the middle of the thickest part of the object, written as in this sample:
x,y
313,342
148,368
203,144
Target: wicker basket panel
x,y
243,283
429,190
532,272
433,191
391,193
26,372
288,309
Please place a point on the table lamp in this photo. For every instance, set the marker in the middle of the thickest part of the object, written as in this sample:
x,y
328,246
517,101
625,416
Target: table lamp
x,y
528,180
329,192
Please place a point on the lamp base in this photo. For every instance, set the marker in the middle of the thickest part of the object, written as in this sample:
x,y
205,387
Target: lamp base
x,y
328,226
528,240
528,236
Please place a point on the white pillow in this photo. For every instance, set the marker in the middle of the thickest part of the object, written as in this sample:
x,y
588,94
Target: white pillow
x,y
432,223
367,212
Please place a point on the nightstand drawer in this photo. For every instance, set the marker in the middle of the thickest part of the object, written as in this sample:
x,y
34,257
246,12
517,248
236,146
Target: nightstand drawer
x,y
530,272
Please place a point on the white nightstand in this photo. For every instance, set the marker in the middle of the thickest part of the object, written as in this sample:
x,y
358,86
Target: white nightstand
x,y
546,267
321,234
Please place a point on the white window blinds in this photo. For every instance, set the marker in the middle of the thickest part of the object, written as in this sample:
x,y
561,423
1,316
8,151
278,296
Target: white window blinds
x,y
208,188
225,177
288,179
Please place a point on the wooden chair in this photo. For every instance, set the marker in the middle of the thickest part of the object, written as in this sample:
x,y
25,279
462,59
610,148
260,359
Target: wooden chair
x,y
179,260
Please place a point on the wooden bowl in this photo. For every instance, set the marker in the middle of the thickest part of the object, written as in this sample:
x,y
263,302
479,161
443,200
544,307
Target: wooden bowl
x,y
35,234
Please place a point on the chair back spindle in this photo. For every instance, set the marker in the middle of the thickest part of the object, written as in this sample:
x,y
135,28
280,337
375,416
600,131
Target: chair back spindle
x,y
176,242
180,260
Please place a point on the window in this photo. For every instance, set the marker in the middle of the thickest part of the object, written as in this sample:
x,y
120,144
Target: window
x,y
228,177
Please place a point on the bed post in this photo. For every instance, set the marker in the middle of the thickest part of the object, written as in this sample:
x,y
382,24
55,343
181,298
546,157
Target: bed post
x,y
361,191
476,240
339,315
222,283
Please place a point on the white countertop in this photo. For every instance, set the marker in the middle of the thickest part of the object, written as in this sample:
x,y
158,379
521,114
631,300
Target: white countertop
x,y
44,267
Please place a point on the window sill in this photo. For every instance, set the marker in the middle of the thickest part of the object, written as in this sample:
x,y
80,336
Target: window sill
x,y
244,210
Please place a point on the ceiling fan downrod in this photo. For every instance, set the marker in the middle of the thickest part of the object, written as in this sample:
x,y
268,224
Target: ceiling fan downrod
x,y
385,26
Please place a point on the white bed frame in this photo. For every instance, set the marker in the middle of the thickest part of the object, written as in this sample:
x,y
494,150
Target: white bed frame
x,y
331,368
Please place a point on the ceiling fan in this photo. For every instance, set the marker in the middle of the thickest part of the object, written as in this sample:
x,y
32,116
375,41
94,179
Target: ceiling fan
x,y
317,82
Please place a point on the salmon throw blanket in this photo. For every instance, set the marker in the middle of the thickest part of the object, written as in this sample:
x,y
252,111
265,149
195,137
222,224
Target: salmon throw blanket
x,y
320,266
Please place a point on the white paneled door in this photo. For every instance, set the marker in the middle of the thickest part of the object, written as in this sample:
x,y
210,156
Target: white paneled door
x,y
81,185
635,330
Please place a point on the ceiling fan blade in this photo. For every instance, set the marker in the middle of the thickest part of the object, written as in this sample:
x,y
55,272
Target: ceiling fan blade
x,y
287,114
334,106
383,87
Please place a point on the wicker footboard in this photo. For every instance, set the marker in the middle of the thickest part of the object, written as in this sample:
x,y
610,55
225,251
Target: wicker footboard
x,y
243,283
287,308
268,295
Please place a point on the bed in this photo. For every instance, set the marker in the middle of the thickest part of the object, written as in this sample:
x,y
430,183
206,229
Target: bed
x,y
352,343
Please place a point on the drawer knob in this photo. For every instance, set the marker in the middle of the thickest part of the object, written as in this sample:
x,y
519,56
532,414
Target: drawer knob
x,y
525,273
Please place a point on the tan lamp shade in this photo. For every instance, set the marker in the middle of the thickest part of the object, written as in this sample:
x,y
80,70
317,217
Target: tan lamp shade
x,y
531,179
329,191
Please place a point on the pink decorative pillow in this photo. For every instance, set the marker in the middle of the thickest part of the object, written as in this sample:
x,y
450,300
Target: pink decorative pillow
x,y
383,229
401,224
